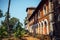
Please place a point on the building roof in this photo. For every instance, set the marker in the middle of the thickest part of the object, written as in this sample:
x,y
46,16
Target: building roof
x,y
30,8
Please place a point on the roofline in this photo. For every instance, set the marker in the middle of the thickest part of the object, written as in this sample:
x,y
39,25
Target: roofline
x,y
30,8
38,7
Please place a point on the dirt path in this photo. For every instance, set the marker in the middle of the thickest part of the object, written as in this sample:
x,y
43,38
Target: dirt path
x,y
26,37
31,38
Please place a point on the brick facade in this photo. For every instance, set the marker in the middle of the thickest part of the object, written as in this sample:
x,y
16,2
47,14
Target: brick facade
x,y
41,20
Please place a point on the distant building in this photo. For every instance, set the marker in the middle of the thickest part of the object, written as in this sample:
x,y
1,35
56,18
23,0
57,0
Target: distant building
x,y
45,19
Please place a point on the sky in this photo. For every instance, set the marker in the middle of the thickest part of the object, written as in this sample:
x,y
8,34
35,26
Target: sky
x,y
18,8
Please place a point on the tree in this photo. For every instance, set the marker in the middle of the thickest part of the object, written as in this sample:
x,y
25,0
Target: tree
x,y
15,27
18,29
25,20
3,31
3,27
12,22
1,14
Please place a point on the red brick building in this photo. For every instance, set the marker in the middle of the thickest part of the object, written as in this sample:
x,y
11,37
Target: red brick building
x,y
44,19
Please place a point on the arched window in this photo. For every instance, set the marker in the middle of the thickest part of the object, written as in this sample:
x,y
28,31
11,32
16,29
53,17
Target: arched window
x,y
44,9
46,26
41,24
58,12
59,1
59,17
39,14
45,23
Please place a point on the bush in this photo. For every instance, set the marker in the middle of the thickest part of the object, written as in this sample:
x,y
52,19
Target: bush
x,y
23,33
19,33
3,32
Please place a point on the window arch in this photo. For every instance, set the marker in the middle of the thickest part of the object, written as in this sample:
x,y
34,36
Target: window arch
x,y
59,17
58,1
44,9
46,22
39,14
42,25
46,25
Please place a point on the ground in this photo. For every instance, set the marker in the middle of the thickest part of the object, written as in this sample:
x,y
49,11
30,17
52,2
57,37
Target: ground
x,y
26,37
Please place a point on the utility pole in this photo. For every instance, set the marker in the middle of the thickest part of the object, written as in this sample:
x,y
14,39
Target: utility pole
x,y
8,16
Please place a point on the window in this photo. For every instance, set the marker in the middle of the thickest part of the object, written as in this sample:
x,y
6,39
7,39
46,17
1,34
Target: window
x,y
59,17
59,1
45,23
58,12
41,28
46,26
44,9
42,24
39,14
39,24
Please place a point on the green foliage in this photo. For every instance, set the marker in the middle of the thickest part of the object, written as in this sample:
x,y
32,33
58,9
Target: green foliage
x,y
13,21
3,31
25,21
23,32
1,14
19,31
3,27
